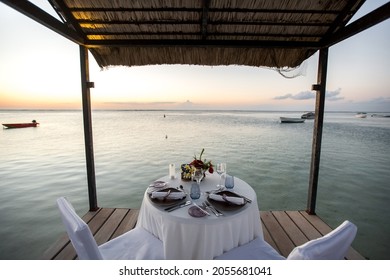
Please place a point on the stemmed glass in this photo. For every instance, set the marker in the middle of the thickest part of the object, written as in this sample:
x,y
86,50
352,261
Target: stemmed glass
x,y
221,170
198,175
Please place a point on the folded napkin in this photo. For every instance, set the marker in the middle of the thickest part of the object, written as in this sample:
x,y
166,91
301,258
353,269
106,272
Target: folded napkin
x,y
231,199
158,184
172,195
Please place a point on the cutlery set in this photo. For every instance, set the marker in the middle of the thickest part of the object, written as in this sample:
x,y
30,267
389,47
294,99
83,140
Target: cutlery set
x,y
206,207
211,208
178,206
202,210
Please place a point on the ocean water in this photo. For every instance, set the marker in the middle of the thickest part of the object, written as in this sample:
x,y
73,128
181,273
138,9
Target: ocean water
x,y
133,148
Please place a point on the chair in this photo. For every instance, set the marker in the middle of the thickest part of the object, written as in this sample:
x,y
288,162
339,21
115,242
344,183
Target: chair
x,y
332,246
134,244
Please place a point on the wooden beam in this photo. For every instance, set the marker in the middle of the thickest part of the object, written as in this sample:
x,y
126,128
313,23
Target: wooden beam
x,y
87,117
317,131
196,22
196,33
66,15
343,17
199,10
359,25
38,15
205,17
203,43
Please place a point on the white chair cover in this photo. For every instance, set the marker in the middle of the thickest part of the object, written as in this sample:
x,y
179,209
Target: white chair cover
x,y
257,249
332,246
79,233
134,244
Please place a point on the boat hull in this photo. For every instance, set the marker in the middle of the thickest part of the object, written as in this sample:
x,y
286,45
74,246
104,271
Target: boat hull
x,y
291,120
308,116
361,115
380,116
20,125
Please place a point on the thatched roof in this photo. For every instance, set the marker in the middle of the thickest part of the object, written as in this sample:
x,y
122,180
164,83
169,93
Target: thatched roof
x,y
273,33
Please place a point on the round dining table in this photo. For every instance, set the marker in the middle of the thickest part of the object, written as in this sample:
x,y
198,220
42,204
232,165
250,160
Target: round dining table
x,y
186,237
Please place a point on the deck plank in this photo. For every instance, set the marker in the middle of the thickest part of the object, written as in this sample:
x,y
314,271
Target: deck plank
x,y
319,224
268,238
127,223
291,229
281,239
99,219
110,225
57,247
303,224
283,230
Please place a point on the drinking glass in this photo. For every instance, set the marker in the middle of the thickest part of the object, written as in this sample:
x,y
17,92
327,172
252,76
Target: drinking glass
x,y
221,170
229,182
195,191
198,175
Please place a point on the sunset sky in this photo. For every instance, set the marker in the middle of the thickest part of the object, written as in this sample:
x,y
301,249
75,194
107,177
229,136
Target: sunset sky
x,y
39,69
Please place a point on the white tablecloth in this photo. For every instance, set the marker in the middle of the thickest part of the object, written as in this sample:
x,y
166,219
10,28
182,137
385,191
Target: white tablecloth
x,y
185,237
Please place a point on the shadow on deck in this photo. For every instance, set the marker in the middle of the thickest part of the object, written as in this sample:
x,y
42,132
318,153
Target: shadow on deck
x,y
282,229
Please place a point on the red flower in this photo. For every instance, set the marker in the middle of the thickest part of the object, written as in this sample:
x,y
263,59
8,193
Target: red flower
x,y
205,165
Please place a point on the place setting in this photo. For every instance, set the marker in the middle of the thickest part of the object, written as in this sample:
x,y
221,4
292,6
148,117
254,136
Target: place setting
x,y
224,198
160,193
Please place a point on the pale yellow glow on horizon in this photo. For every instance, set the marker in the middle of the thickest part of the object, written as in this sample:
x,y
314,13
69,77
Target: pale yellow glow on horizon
x,y
45,73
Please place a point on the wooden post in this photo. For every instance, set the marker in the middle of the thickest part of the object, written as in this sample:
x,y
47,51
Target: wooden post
x,y
87,117
317,131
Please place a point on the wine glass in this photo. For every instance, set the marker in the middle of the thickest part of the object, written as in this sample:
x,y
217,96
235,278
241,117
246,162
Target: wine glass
x,y
198,175
221,170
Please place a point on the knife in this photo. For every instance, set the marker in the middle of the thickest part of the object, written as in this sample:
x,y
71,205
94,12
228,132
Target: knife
x,y
213,208
177,206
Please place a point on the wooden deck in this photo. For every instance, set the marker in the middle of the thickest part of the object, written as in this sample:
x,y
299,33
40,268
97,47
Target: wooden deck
x,y
282,229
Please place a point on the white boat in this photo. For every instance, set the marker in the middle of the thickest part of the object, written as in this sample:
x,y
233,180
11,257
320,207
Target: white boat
x,y
308,115
291,120
361,115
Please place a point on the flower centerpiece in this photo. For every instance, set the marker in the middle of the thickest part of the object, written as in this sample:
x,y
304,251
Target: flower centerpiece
x,y
205,165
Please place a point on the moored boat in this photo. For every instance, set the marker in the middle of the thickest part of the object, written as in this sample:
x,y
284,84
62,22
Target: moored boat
x,y
361,115
21,125
308,115
380,116
291,120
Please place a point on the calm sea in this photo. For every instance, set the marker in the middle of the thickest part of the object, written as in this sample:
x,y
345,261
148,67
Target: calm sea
x,y
133,148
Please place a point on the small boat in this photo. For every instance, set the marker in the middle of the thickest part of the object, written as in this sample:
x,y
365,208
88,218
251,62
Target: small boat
x,y
380,116
291,120
361,115
21,125
308,115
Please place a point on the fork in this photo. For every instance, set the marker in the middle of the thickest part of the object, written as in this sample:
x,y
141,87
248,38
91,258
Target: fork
x,y
209,209
212,209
